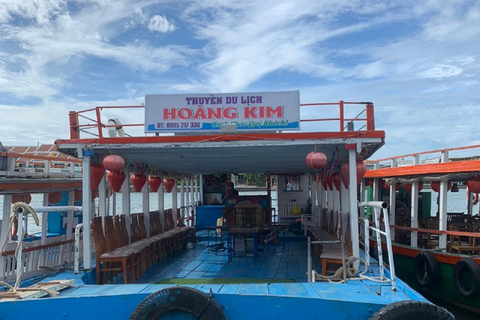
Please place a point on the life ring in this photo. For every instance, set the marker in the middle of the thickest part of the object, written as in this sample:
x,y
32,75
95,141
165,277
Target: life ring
x,y
411,310
466,275
178,300
427,270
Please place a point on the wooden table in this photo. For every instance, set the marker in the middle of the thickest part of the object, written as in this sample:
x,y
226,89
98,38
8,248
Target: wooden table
x,y
232,234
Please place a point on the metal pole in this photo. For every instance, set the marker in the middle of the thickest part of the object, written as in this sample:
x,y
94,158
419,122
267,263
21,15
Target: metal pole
x,y
87,200
352,159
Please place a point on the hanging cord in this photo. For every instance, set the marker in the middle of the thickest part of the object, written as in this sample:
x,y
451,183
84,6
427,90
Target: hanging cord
x,y
19,208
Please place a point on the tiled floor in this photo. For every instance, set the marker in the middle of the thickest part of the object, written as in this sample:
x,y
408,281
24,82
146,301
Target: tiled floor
x,y
273,262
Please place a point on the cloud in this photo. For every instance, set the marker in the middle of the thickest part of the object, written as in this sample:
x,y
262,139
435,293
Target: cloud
x,y
161,24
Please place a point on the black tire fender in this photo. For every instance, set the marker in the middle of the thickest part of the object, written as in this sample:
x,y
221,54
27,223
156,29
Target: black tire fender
x,y
466,275
178,299
427,270
417,310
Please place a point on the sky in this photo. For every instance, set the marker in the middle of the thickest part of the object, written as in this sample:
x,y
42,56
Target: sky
x,y
417,61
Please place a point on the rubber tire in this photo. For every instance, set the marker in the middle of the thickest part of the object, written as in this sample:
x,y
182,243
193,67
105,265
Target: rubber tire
x,y
427,259
406,310
461,267
184,299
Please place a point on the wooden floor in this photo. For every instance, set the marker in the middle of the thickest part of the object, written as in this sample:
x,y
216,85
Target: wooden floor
x,y
208,260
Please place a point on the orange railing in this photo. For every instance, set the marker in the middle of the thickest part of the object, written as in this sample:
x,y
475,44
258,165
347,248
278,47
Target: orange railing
x,y
90,120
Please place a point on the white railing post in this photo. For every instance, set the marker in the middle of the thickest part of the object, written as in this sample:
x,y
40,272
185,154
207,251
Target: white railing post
x,y
76,263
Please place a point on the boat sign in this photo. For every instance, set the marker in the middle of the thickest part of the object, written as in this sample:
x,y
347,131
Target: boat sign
x,y
247,111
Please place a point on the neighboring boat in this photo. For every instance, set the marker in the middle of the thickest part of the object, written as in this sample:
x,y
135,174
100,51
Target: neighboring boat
x,y
436,250
252,260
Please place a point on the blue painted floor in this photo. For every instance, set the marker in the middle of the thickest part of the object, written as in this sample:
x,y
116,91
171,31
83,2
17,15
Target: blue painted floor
x,y
207,260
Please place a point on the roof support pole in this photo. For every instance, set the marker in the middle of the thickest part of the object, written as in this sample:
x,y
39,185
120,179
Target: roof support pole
x,y
7,208
376,185
146,207
182,199
70,226
126,199
197,192
442,207
175,204
87,211
188,203
313,191
352,162
345,205
392,200
414,210
161,206
102,197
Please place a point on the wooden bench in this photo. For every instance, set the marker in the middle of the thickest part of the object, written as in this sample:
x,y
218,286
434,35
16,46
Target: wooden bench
x,y
115,253
330,252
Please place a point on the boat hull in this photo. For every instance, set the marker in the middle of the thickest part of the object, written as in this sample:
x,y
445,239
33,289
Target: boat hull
x,y
444,289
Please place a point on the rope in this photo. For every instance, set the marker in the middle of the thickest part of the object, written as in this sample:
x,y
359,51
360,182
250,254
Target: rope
x,y
351,272
17,209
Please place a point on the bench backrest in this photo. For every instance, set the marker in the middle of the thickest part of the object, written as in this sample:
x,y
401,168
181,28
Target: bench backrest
x,y
99,240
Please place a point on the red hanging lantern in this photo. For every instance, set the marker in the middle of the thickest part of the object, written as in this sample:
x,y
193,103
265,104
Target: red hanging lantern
x,y
154,182
138,181
316,160
408,186
97,170
54,198
27,198
337,180
361,169
115,180
113,163
168,184
435,185
473,184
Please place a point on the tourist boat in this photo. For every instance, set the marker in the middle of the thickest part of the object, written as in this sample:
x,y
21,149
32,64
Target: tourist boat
x,y
216,254
437,229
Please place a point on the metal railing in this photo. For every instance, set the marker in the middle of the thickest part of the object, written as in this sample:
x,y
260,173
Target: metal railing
x,y
90,121
377,207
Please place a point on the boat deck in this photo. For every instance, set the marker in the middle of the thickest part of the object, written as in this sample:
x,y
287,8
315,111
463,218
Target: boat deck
x,y
208,263
274,285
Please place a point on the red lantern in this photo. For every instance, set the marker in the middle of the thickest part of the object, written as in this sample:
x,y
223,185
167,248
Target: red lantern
x,y
115,180
408,186
168,184
113,163
473,184
336,180
138,180
154,182
27,198
435,185
361,169
54,198
97,171
316,160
